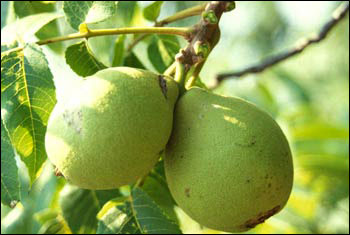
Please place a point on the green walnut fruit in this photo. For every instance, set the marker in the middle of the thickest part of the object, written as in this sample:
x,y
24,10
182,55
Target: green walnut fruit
x,y
111,130
228,164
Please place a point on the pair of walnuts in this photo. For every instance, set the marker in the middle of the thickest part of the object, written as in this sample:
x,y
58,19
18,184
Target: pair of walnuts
x,y
227,163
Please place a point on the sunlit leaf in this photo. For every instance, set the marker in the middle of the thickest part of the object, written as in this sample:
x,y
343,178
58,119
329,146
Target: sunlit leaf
x,y
23,29
27,99
51,223
25,8
78,12
119,220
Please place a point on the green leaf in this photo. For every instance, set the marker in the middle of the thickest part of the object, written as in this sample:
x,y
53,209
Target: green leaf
x,y
150,217
78,12
266,98
126,11
118,51
9,16
26,8
131,60
319,130
297,89
158,190
54,226
9,172
169,46
8,47
23,29
162,50
81,60
80,207
22,224
51,222
152,11
104,196
5,6
158,171
46,215
119,220
32,201
321,147
27,99
138,215
331,166
155,57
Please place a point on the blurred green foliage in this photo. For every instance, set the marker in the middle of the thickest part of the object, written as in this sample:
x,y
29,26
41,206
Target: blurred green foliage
x,y
308,95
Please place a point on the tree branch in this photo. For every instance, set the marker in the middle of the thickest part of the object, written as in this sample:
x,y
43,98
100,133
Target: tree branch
x,y
301,44
204,32
202,40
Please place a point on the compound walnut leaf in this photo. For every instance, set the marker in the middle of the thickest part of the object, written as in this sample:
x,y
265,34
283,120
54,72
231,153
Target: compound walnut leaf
x,y
27,99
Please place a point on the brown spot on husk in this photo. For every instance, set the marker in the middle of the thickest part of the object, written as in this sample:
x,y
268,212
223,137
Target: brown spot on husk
x,y
187,192
58,173
261,217
163,85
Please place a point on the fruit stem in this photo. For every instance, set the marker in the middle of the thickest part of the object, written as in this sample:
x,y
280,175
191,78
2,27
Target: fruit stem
x,y
198,67
180,76
140,182
181,31
192,79
192,11
170,70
